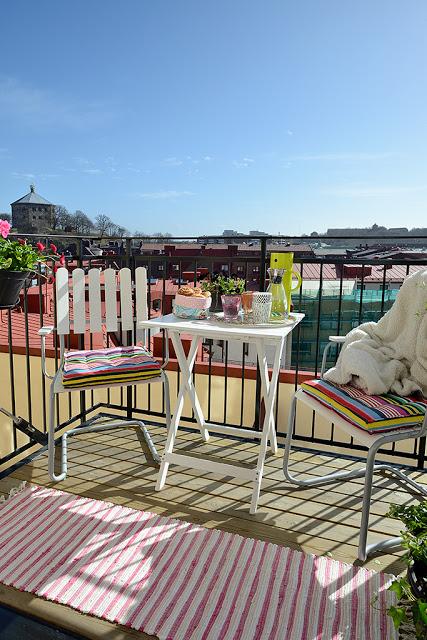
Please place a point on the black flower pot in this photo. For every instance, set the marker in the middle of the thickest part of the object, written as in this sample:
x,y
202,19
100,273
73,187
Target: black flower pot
x,y
216,302
11,283
417,578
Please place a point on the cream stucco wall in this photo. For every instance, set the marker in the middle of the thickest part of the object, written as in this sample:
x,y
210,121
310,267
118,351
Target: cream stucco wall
x,y
234,395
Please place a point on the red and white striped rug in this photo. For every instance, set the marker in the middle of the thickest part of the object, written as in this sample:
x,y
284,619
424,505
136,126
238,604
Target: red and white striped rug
x,y
179,581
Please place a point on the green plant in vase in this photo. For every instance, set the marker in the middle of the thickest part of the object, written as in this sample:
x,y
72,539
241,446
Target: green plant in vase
x,y
230,286
411,589
230,290
219,286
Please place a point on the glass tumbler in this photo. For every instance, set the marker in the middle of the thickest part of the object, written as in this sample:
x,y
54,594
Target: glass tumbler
x,y
247,299
231,307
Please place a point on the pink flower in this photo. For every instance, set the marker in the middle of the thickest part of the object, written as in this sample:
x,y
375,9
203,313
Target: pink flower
x,y
5,228
40,246
22,241
54,248
62,260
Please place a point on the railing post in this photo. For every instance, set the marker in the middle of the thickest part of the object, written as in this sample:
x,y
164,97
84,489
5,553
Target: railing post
x,y
261,283
81,340
421,454
128,252
263,264
129,389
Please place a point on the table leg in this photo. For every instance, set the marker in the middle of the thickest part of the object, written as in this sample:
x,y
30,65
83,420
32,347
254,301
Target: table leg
x,y
269,395
265,387
186,368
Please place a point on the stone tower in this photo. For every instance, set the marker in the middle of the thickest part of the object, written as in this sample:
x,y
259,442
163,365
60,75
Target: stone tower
x,y
32,213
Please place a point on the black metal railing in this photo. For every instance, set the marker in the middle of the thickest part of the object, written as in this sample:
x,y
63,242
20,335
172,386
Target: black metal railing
x,y
331,306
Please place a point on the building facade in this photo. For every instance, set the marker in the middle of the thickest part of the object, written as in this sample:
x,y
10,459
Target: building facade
x,y
32,213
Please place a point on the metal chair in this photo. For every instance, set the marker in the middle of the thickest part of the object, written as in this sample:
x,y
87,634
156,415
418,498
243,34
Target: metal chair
x,y
372,441
118,287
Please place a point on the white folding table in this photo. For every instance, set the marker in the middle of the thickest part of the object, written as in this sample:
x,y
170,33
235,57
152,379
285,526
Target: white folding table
x,y
213,329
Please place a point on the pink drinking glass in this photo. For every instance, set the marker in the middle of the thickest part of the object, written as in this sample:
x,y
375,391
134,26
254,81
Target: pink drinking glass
x,y
231,307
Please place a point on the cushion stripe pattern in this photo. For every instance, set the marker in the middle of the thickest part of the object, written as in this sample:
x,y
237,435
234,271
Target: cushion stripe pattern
x,y
108,366
371,413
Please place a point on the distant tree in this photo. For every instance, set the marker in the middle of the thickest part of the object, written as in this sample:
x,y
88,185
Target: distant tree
x,y
122,231
82,224
103,224
140,234
6,216
314,234
62,219
112,229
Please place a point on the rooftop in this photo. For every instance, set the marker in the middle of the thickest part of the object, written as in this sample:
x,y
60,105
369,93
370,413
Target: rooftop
x,y
31,198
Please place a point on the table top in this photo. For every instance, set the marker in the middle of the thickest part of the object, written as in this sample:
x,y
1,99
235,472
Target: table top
x,y
214,329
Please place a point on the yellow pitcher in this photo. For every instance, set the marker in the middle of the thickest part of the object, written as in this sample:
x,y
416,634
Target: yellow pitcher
x,y
286,261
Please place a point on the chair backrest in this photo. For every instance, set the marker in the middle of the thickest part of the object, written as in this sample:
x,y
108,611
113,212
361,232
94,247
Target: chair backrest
x,y
114,281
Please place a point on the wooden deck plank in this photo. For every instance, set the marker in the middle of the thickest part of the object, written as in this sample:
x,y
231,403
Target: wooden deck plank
x,y
386,489
278,495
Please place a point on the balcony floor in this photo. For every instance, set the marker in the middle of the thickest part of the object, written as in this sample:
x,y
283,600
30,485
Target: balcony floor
x,y
116,467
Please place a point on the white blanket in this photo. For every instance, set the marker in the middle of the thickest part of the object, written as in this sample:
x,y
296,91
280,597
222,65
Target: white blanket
x,y
389,355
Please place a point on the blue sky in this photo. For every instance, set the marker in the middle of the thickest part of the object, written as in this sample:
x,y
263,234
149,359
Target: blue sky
x,y
191,117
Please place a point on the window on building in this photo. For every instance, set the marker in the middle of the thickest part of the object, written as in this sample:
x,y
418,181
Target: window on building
x,y
224,267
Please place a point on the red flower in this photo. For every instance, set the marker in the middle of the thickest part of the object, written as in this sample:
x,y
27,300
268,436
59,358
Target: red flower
x,y
62,260
22,241
40,246
54,248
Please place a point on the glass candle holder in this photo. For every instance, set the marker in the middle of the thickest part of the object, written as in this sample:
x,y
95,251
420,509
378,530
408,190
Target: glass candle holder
x,y
231,306
261,307
247,300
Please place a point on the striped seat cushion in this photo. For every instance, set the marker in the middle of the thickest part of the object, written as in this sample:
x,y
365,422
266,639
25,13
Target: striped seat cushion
x,y
108,366
371,413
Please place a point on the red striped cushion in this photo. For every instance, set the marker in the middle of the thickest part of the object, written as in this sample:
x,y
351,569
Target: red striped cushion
x,y
371,413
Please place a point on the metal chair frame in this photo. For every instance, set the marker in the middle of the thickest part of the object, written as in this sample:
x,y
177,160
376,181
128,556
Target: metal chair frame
x,y
372,442
111,322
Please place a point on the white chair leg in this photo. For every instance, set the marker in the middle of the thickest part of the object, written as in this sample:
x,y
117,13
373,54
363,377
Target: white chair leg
x,y
366,504
51,442
367,471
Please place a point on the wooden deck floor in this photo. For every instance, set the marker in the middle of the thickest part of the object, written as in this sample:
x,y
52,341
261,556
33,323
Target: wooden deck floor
x,y
117,467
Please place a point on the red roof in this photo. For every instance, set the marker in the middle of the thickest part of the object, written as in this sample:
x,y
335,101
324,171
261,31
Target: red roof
x,y
395,273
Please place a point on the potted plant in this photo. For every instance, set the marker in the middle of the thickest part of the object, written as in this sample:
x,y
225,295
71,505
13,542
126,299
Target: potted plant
x,y
17,261
411,589
222,289
230,290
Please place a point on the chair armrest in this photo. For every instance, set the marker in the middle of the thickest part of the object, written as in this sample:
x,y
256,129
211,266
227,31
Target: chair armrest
x,y
333,340
43,332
